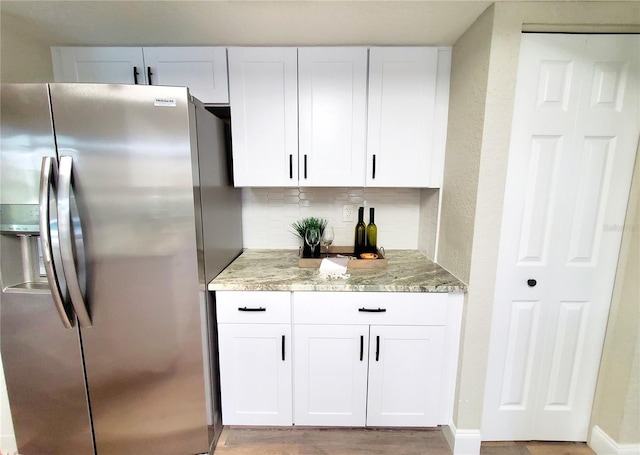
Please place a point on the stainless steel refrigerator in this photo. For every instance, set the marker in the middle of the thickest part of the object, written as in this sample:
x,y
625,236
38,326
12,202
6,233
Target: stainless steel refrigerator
x,y
116,211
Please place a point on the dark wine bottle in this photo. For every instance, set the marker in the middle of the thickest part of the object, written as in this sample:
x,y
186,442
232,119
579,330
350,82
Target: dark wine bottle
x,y
360,234
372,234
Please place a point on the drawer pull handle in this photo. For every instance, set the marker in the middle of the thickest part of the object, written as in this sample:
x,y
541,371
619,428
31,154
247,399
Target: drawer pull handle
x,y
361,347
377,347
283,348
252,309
372,310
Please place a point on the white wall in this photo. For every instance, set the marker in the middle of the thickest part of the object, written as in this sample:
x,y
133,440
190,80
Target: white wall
x,y
269,212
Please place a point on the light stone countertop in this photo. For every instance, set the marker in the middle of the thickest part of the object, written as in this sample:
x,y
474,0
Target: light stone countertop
x,y
277,270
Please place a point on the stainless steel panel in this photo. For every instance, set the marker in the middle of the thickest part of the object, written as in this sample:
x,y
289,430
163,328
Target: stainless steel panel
x,y
27,136
43,371
134,190
221,214
42,360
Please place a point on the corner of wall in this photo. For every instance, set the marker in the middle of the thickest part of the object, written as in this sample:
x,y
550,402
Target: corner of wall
x,y
462,442
616,409
23,57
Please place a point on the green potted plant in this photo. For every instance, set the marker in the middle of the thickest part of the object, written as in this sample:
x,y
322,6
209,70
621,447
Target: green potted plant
x,y
300,228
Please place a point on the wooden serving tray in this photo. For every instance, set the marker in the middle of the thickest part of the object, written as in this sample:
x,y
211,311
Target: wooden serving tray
x,y
334,251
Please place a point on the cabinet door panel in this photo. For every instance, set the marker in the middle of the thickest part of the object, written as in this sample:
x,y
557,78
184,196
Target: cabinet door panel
x,y
202,69
100,65
263,93
402,87
255,374
407,115
332,110
405,374
330,375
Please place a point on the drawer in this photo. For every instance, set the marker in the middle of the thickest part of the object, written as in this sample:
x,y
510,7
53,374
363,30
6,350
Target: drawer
x,y
249,307
386,308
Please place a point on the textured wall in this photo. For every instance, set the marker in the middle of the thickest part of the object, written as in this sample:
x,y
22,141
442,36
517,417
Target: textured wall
x,y
468,93
469,85
617,403
268,213
23,56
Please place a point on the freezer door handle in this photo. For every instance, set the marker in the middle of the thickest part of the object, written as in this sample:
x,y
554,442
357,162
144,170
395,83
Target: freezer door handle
x,y
71,241
49,240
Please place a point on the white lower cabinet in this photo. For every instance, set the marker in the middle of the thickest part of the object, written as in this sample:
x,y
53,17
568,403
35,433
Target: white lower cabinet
x,y
359,358
331,374
405,377
255,358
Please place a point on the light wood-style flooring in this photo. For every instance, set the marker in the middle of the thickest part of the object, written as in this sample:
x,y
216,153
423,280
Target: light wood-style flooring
x,y
365,441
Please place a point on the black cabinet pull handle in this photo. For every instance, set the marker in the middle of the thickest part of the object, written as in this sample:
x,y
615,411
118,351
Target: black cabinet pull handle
x,y
361,347
372,310
305,166
283,348
373,176
531,283
377,347
149,73
252,309
290,166
135,75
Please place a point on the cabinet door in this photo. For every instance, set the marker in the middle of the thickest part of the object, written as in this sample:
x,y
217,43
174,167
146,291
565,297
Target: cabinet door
x,y
202,69
330,374
263,94
405,374
100,65
255,374
406,117
332,110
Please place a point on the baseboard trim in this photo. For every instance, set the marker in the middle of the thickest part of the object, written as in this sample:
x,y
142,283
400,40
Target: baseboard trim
x,y
462,442
603,444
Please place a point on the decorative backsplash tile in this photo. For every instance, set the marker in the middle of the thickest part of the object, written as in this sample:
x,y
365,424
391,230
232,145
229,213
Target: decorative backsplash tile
x,y
269,212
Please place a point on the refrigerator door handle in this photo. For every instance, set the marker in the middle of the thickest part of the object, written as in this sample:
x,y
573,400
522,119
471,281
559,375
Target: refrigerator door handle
x,y
48,182
70,236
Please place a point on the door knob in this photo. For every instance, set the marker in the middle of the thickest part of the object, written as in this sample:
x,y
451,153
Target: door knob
x,y
532,283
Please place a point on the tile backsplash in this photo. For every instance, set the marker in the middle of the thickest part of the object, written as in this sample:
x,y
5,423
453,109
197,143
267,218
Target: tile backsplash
x,y
269,212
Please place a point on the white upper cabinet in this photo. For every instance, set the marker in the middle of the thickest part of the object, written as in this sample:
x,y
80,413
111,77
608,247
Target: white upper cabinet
x,y
202,69
407,116
99,65
263,87
332,104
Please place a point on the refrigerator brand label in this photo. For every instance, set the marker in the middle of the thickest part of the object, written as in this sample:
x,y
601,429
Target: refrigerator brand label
x,y
164,102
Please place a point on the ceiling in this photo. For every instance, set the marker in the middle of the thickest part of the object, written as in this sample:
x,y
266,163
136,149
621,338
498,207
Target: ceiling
x,y
242,22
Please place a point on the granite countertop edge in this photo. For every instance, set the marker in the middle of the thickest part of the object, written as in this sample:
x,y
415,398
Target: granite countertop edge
x,y
277,270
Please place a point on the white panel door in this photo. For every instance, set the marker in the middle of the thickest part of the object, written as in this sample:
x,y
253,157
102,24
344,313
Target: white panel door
x,y
263,94
202,69
100,65
400,133
255,374
330,374
574,141
332,110
405,375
